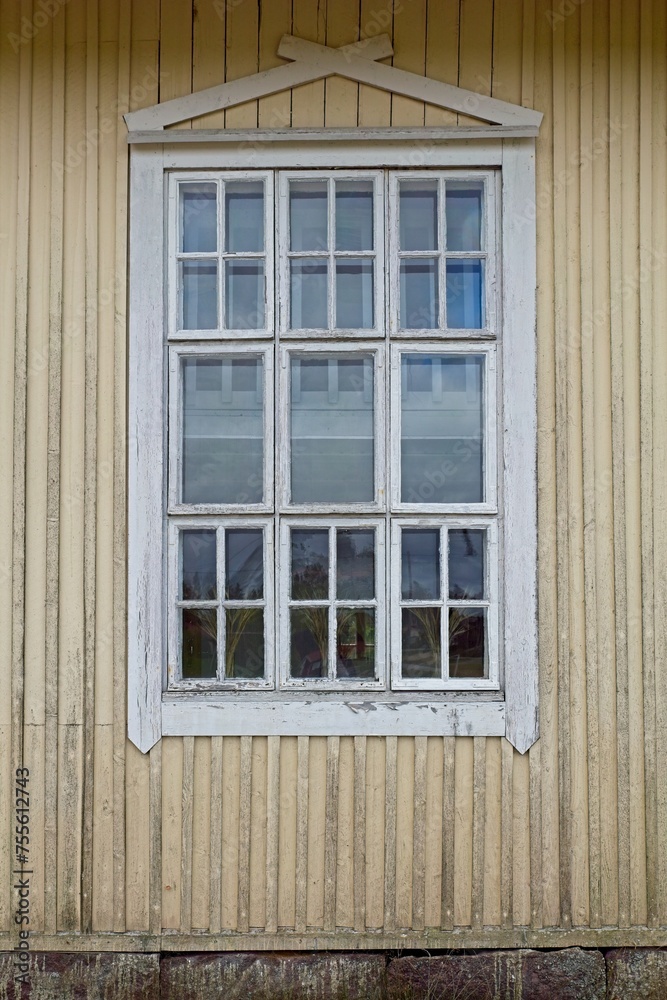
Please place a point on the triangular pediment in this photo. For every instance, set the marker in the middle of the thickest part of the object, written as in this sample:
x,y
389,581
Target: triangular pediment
x,y
308,62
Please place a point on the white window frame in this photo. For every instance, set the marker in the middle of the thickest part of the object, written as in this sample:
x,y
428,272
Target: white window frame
x,y
154,711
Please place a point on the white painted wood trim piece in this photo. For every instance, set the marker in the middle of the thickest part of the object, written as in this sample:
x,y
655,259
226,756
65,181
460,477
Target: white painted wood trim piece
x,y
146,486
408,153
249,88
444,95
323,716
298,135
520,445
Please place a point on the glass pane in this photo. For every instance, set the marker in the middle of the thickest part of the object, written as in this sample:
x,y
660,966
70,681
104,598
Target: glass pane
x,y
309,642
463,207
244,565
244,652
420,564
309,294
466,564
200,642
355,565
418,215
198,582
244,293
244,217
354,215
332,430
464,294
467,642
310,565
355,643
223,428
354,294
308,215
419,294
421,653
442,429
200,295
199,225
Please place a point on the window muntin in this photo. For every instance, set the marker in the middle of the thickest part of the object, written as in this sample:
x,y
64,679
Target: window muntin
x,y
332,240
221,587
338,405
221,253
445,596
443,254
332,603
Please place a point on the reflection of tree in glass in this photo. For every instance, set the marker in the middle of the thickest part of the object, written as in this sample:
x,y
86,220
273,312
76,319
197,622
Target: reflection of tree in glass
x,y
312,641
430,620
309,571
239,620
356,582
194,591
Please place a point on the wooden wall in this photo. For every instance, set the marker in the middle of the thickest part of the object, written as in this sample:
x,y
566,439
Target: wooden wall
x,y
257,842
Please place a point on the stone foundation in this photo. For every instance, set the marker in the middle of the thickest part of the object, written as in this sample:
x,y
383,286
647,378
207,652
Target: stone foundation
x,y
568,974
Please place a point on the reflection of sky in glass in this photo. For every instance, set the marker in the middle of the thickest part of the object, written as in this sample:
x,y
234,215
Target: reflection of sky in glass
x,y
310,565
466,564
420,564
243,565
355,565
198,565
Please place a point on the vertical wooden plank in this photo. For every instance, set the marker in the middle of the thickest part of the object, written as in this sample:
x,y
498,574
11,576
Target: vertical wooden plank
x,y
360,834
309,22
208,55
176,27
341,97
137,857
547,558
507,44
374,104
528,54
90,462
258,833
648,527
375,809
478,821
507,835
659,408
155,843
618,316
409,54
272,832
119,485
345,842
241,56
390,835
419,835
442,54
71,594
587,256
231,792
475,50
274,22
173,752
521,841
201,835
331,834
215,891
492,833
536,886
287,831
317,800
301,834
463,830
405,782
245,833
433,833
448,831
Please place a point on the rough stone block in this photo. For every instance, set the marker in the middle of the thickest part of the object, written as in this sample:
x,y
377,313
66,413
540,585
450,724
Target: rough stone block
x,y
232,976
571,974
637,974
66,976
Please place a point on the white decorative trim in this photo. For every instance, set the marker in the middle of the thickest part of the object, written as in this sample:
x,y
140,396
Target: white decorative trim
x,y
443,133
240,715
312,62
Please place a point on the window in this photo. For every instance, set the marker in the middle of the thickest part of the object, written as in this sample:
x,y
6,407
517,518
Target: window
x,y
335,476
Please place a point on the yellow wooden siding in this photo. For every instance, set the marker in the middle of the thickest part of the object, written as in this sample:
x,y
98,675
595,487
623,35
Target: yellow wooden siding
x,y
256,842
